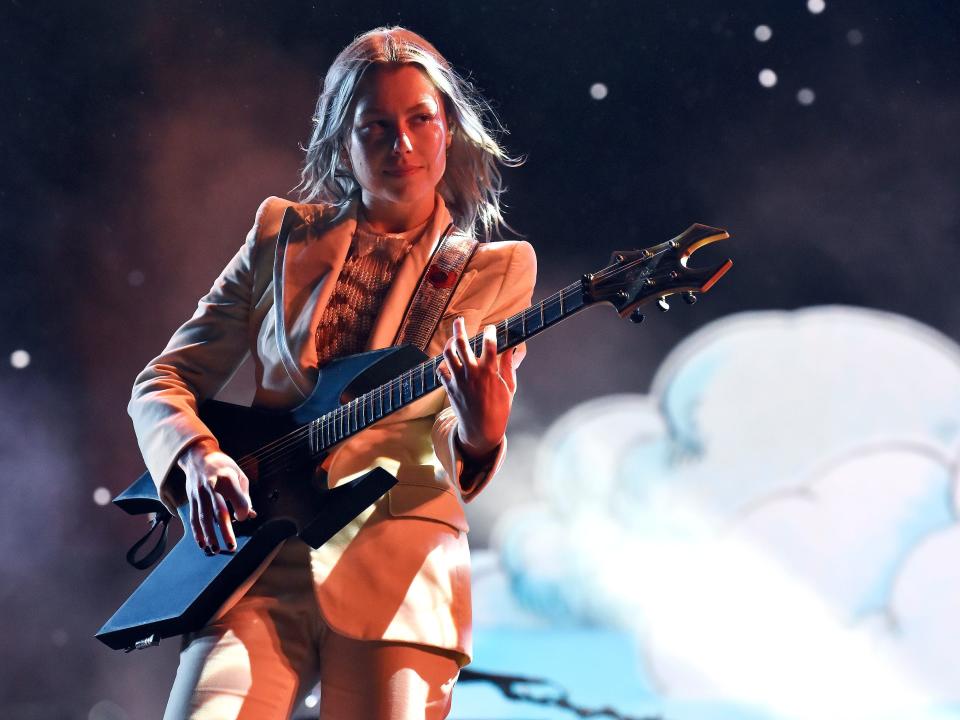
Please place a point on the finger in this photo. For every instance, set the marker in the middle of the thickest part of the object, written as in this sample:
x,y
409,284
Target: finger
x,y
195,525
454,363
508,370
489,354
461,344
519,353
223,518
443,372
235,493
208,516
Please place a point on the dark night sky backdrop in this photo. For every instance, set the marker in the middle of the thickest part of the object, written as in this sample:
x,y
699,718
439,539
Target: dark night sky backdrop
x,y
139,139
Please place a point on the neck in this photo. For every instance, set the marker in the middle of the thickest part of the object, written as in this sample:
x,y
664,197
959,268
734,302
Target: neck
x,y
389,217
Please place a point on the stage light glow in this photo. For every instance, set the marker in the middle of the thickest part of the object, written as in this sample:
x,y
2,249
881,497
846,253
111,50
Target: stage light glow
x,y
135,278
762,33
107,710
311,700
806,96
598,91
19,359
816,6
767,77
102,496
854,37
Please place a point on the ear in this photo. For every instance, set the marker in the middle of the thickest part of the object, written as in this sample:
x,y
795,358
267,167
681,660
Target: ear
x,y
344,158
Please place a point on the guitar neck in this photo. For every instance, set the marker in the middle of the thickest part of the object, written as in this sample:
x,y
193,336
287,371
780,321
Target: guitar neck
x,y
361,412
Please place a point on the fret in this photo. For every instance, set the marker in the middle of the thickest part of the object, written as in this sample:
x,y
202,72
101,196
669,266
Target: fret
x,y
551,312
517,333
534,323
574,299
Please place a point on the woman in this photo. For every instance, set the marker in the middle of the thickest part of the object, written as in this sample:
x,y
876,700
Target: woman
x,y
380,613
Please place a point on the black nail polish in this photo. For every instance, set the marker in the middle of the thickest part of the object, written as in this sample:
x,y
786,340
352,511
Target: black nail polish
x,y
208,550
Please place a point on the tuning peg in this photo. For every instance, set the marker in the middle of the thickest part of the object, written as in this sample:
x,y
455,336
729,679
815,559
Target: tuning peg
x,y
689,298
662,302
636,316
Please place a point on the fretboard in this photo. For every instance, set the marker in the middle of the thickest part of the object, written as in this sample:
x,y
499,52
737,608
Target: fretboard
x,y
353,416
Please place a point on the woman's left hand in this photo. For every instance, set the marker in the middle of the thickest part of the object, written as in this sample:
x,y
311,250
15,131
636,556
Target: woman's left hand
x,y
480,389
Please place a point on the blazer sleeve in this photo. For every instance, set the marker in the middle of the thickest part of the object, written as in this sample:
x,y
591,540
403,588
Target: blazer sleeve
x,y
515,294
197,362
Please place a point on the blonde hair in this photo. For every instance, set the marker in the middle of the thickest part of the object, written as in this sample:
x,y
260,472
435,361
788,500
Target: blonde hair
x,y
471,185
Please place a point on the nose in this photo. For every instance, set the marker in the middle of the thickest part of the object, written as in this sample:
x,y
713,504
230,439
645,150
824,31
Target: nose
x,y
402,143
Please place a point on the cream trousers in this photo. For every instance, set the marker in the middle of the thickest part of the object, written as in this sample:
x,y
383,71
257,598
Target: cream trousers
x,y
261,658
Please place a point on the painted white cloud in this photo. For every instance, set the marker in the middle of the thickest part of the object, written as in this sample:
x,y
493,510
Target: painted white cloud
x,y
770,521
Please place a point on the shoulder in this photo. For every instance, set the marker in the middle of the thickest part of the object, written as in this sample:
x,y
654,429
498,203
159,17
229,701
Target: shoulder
x,y
507,256
270,215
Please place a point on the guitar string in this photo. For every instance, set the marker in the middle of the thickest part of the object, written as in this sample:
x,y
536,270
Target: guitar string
x,y
338,417
335,419
347,415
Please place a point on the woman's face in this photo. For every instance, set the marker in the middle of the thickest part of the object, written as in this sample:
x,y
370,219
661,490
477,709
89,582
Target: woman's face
x,y
397,145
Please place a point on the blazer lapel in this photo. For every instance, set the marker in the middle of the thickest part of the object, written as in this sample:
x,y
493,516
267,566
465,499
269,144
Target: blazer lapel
x,y
407,278
307,272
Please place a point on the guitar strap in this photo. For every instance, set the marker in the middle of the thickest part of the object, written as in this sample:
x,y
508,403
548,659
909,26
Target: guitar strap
x,y
436,288
161,520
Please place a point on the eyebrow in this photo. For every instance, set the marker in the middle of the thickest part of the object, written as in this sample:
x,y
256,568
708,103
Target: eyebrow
x,y
378,111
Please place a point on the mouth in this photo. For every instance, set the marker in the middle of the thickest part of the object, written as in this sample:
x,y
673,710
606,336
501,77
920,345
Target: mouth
x,y
402,171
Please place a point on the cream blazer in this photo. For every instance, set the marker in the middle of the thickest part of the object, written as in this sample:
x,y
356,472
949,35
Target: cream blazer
x,y
401,570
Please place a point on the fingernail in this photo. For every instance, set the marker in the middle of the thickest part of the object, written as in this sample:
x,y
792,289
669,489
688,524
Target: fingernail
x,y
231,548
207,550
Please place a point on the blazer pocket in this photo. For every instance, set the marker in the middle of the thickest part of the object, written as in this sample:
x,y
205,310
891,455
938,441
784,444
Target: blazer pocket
x,y
418,495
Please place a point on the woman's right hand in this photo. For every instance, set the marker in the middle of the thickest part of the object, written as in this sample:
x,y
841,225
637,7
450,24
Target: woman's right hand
x,y
212,480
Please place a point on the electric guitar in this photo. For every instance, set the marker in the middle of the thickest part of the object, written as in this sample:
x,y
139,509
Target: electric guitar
x,y
281,452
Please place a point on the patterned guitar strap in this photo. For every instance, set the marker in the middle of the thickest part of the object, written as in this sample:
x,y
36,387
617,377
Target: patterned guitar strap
x,y
436,287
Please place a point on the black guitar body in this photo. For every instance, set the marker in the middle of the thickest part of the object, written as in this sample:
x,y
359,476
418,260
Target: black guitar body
x,y
288,490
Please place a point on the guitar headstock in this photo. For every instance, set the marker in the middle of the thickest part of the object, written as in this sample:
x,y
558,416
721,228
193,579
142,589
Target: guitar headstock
x,y
635,277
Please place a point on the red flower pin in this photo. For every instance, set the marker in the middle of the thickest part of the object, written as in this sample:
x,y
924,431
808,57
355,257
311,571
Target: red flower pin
x,y
441,278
